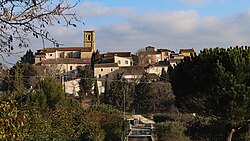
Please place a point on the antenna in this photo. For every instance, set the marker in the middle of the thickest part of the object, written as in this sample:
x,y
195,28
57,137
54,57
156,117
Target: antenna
x,y
57,44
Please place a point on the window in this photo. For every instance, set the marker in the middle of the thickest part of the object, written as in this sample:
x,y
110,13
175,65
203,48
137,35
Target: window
x,y
88,37
107,75
119,62
126,62
50,54
62,55
101,69
111,69
70,67
70,55
78,54
100,75
40,58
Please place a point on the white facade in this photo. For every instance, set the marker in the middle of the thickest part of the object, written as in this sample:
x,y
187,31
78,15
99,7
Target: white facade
x,y
156,69
65,69
50,55
62,54
123,61
103,71
72,87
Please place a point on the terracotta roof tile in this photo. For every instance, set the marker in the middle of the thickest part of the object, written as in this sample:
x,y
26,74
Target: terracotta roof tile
x,y
84,49
133,70
106,65
120,54
186,50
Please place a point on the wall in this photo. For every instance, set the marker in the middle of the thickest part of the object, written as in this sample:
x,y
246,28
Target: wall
x,y
123,61
103,71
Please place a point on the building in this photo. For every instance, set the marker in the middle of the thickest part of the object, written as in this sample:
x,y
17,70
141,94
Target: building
x,y
154,55
156,68
165,54
66,60
187,52
102,71
123,59
132,74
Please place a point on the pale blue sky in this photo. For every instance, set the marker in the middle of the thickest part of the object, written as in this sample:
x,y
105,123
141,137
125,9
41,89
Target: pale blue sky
x,y
128,25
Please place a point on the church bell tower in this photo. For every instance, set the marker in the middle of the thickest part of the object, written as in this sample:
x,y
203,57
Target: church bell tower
x,y
89,40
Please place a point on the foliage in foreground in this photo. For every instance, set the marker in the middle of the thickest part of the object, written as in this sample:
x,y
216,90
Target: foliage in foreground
x,y
196,128
46,114
215,83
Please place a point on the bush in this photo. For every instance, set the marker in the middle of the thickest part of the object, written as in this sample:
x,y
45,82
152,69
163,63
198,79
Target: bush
x,y
209,129
171,131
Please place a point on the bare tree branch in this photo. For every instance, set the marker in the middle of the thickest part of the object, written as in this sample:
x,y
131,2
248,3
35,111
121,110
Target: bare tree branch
x,y
21,18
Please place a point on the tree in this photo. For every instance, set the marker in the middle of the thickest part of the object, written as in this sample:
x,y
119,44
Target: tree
x,y
29,57
29,73
86,82
54,95
24,73
96,58
215,83
18,79
164,75
96,93
120,91
151,97
12,121
108,118
19,19
143,58
171,131
106,90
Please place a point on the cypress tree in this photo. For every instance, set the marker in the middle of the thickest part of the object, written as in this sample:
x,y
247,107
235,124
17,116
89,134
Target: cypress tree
x,y
96,93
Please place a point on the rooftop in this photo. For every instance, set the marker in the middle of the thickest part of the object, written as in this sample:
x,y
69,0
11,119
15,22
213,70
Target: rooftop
x,y
106,65
133,70
84,49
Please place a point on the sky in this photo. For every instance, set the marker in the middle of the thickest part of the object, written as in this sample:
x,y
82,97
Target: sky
x,y
128,25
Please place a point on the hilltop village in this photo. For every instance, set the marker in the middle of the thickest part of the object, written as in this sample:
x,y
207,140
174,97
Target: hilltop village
x,y
67,62
77,93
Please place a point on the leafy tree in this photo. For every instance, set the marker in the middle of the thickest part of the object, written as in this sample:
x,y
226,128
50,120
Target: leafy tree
x,y
110,120
22,74
86,82
29,72
19,19
12,121
29,57
64,123
120,91
171,131
151,97
29,75
6,84
215,83
54,95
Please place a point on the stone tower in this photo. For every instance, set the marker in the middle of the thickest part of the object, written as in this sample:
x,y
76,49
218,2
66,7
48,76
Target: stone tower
x,y
89,40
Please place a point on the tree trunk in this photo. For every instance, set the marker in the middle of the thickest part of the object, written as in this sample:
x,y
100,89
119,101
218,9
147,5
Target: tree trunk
x,y
230,135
